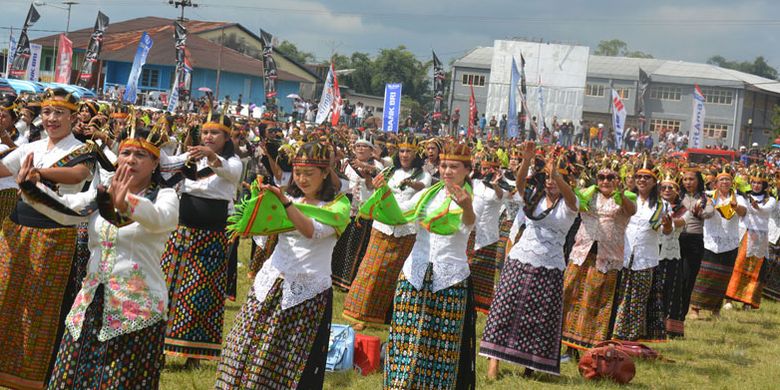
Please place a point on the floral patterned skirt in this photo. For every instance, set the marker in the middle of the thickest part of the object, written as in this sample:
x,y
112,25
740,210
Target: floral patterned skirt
x,y
128,361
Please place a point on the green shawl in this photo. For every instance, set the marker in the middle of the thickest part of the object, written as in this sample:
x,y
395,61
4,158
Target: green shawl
x,y
263,214
383,207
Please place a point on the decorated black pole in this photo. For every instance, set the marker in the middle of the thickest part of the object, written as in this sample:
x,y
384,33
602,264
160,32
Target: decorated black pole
x,y
88,68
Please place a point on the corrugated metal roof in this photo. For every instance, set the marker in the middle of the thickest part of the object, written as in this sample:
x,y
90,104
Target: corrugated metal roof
x,y
121,41
479,57
672,71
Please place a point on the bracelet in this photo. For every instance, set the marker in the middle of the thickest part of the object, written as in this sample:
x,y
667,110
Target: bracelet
x,y
287,204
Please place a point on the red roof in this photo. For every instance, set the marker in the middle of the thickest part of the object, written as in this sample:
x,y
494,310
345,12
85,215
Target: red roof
x,y
121,41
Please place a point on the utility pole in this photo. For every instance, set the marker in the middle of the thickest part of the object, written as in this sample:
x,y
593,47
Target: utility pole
x,y
183,4
69,3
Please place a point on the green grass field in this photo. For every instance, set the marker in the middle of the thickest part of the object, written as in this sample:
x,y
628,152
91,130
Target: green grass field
x,y
739,351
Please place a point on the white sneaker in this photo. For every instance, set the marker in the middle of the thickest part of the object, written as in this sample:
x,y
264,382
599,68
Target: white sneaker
x,y
728,306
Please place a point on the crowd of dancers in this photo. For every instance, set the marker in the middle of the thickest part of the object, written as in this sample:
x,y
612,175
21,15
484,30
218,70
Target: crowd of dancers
x,y
121,227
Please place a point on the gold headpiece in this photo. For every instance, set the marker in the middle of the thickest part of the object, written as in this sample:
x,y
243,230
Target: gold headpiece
x,y
50,101
455,152
318,156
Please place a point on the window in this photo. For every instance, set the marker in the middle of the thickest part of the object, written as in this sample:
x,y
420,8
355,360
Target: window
x,y
656,125
665,93
473,79
150,77
47,63
715,131
594,90
718,96
624,93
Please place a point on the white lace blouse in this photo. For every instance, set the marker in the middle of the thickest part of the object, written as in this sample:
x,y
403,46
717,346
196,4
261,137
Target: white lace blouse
x,y
487,207
541,244
640,240
303,263
721,234
446,254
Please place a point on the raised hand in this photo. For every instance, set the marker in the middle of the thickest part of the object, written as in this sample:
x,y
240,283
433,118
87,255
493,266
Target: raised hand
x,y
459,195
378,181
28,172
120,185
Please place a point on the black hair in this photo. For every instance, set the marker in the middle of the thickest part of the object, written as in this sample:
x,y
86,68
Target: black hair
x,y
417,162
229,150
764,187
143,132
62,92
699,186
653,197
328,190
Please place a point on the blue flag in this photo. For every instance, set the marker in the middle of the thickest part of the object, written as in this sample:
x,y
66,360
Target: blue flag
x,y
131,90
511,123
392,107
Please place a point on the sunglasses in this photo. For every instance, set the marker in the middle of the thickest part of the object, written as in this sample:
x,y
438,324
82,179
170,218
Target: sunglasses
x,y
606,177
642,177
664,188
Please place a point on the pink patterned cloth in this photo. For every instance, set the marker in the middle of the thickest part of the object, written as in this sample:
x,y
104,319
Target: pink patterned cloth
x,y
605,223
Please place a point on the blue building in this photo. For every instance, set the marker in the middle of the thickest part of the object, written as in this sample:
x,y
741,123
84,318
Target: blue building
x,y
225,58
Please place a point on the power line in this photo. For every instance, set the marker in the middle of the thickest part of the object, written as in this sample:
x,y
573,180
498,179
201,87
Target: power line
x,y
509,19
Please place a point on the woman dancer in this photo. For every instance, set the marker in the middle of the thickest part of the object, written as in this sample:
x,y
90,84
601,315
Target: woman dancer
x,y
721,242
693,198
524,323
745,285
195,258
640,258
432,333
280,337
591,278
116,327
370,298
669,275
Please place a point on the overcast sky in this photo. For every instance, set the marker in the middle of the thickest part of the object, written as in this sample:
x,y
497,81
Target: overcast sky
x,y
691,30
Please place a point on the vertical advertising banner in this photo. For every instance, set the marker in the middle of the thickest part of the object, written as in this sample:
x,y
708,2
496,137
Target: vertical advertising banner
x,y
11,52
326,100
697,121
64,55
88,69
22,53
511,118
34,65
392,107
618,119
131,90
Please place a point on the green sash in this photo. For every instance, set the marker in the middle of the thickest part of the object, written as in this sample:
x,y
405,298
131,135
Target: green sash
x,y
383,207
263,214
585,195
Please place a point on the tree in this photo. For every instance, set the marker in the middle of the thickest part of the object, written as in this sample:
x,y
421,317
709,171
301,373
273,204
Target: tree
x,y
611,48
399,65
618,48
290,50
776,120
758,67
360,79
